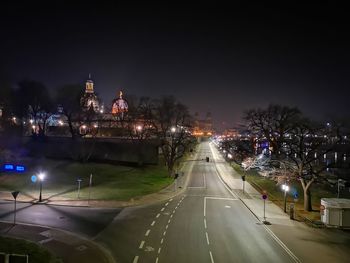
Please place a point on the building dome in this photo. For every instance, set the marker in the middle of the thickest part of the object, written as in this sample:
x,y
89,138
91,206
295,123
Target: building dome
x,y
119,105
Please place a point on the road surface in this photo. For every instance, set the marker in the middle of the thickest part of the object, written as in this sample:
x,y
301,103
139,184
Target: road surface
x,y
207,223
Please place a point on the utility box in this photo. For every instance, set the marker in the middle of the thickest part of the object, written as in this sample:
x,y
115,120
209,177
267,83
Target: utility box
x,y
335,212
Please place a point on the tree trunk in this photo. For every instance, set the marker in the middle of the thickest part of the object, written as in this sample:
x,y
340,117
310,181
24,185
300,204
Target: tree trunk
x,y
307,194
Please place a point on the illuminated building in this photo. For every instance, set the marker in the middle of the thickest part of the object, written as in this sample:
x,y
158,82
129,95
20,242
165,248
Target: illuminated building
x,y
89,100
119,105
203,127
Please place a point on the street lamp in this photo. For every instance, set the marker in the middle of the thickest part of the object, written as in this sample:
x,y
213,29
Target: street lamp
x,y
285,188
173,129
41,177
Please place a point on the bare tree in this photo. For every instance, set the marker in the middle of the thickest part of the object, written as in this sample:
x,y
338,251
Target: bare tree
x,y
273,124
68,97
172,121
33,100
308,143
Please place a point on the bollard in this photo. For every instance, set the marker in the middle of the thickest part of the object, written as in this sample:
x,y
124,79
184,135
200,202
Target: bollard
x,y
291,211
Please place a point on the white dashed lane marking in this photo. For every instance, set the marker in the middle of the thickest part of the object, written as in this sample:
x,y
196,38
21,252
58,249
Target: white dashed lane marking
x,y
147,232
141,245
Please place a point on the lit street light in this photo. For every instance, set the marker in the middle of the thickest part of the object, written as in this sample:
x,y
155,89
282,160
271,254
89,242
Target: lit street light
x,y
41,177
285,189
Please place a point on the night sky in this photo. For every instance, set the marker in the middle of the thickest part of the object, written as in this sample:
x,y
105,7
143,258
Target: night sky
x,y
222,59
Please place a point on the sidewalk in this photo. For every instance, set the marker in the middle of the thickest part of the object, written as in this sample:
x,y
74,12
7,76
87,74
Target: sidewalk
x,y
67,246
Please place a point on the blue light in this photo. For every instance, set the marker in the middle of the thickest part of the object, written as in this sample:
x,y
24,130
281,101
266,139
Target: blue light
x,y
20,168
8,167
33,178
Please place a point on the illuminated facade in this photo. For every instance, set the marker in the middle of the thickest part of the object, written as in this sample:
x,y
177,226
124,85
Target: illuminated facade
x,y
119,105
203,127
89,100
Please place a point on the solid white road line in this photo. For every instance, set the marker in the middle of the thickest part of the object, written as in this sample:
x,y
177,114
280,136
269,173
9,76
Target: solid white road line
x,y
206,234
136,258
290,253
141,245
153,223
147,232
211,257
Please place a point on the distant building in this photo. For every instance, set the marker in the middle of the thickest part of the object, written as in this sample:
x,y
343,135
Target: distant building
x,y
231,132
203,127
89,100
120,105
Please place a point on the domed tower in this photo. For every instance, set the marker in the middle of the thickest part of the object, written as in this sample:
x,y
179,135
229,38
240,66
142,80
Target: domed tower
x,y
89,99
119,105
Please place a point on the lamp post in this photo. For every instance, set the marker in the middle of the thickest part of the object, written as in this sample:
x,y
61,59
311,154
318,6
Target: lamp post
x,y
41,177
285,188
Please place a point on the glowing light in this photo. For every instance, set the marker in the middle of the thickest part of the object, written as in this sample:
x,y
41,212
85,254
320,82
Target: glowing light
x,y
285,187
41,176
60,123
139,127
83,127
173,129
31,121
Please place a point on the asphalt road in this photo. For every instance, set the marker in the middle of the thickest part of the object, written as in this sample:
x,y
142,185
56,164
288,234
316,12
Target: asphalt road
x,y
207,223
81,220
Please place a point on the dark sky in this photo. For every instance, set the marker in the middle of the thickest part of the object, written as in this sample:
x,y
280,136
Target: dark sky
x,y
222,59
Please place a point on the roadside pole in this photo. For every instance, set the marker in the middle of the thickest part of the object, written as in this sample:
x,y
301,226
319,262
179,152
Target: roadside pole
x,y
264,197
90,184
15,194
79,181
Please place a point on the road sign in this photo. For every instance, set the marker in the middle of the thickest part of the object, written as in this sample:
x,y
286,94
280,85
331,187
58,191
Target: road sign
x,y
264,196
33,178
15,194
243,177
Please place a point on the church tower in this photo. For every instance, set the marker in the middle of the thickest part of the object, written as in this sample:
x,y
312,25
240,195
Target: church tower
x,y
89,99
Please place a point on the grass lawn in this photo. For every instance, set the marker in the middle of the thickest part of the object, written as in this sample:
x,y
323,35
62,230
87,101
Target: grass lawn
x,y
276,194
109,182
36,253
